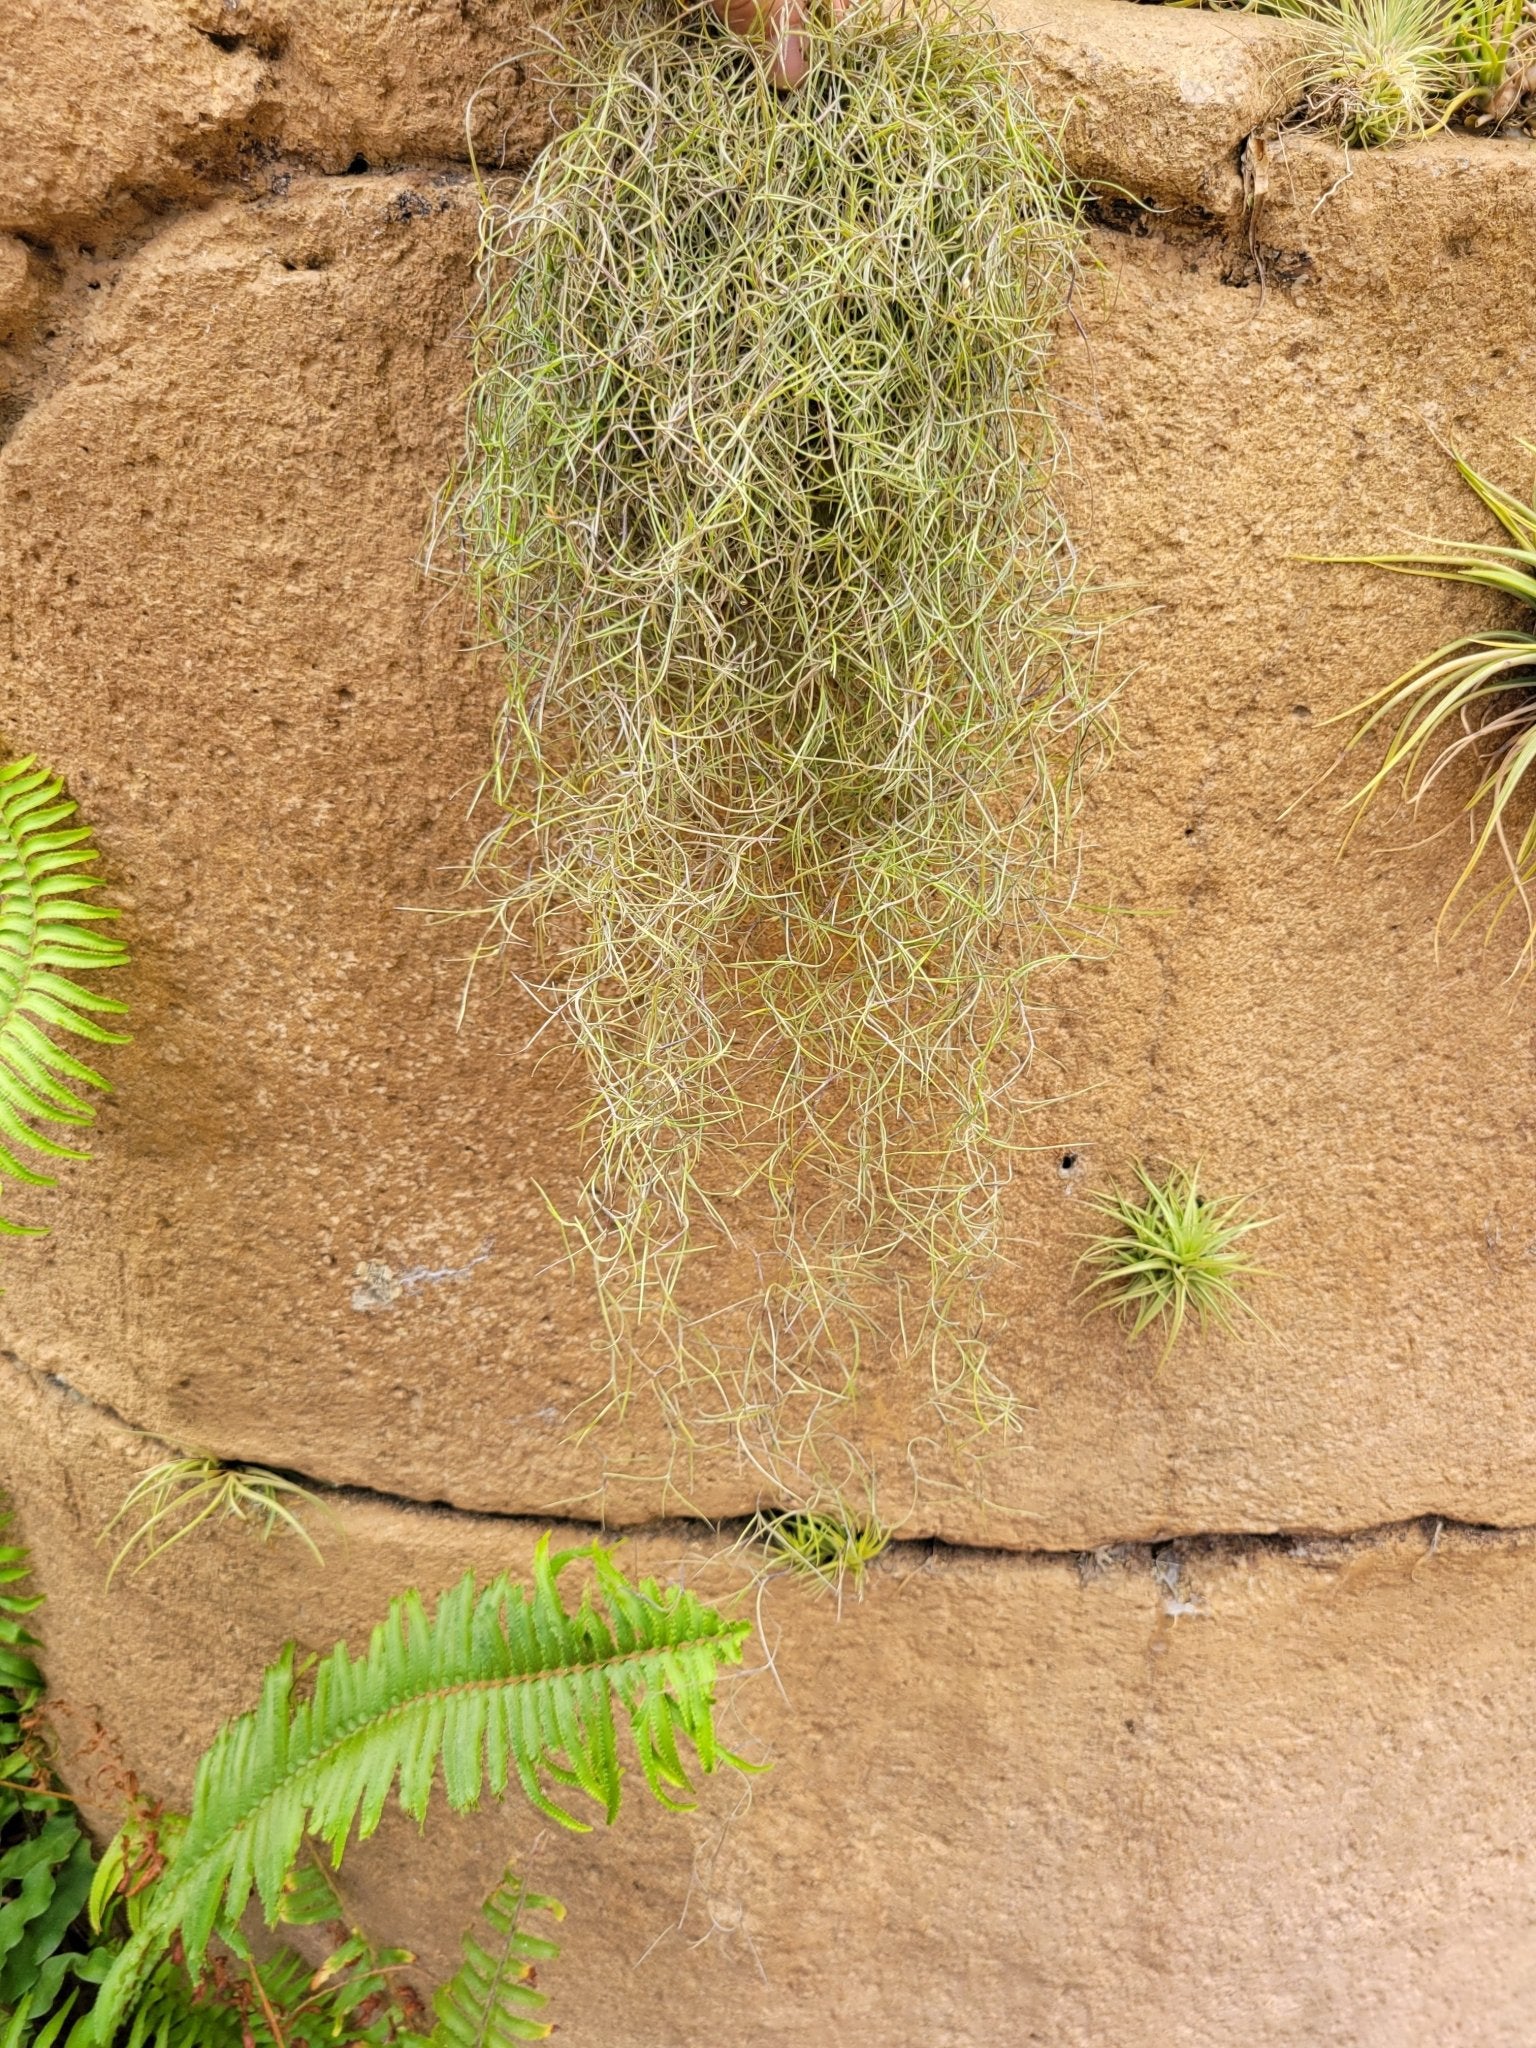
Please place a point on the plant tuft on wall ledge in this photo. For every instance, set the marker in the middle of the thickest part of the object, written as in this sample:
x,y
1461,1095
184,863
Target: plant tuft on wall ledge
x,y
756,499
178,1496
1379,72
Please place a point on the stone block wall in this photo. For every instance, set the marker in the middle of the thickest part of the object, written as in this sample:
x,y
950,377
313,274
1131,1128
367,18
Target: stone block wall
x,y
1207,1724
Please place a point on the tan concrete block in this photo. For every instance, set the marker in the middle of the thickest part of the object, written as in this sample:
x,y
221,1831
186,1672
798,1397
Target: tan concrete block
x,y
393,83
1266,1792
102,103
315,1233
1158,102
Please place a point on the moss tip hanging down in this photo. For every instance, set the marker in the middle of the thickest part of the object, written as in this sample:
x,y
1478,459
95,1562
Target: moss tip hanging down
x,y
756,499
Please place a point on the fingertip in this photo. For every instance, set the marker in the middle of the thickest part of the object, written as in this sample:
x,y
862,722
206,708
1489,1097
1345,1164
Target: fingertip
x,y
789,62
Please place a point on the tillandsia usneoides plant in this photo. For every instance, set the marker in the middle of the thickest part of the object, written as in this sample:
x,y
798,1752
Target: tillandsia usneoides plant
x,y
49,933
756,497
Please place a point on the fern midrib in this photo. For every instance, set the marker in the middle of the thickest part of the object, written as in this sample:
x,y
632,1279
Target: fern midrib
x,y
318,1759
13,847
502,1971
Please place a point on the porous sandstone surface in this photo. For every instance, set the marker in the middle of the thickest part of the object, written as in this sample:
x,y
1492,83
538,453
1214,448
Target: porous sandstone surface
x,y
320,1228
317,1232
1271,1791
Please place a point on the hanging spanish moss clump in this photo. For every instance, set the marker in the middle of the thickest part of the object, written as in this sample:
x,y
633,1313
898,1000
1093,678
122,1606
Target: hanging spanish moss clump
x,y
756,499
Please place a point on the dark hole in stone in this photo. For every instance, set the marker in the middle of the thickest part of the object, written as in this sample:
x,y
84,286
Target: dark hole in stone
x,y
1068,1161
358,166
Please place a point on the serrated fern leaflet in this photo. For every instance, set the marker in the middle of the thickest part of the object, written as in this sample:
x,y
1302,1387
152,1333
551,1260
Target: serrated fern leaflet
x,y
497,1684
48,934
491,1998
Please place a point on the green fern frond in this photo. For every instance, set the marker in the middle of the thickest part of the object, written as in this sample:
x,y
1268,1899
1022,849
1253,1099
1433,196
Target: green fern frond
x,y
495,1684
17,1670
174,2011
45,1860
47,934
491,1998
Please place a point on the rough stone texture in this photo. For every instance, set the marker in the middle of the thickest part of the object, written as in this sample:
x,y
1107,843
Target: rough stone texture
x,y
391,82
1263,1793
106,113
220,633
1018,1799
98,103
1158,103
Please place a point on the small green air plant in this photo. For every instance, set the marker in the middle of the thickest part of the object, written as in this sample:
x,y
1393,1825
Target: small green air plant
x,y
828,1548
146,1948
48,934
1376,72
180,1495
755,499
1472,702
1172,1255
1495,43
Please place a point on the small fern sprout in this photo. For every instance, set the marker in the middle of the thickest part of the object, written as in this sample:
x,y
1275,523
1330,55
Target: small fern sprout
x,y
829,1548
1173,1254
181,1494
492,1996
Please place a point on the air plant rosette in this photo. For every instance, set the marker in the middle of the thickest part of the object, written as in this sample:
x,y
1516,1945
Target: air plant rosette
x,y
756,500
1379,72
1471,703
1173,1257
